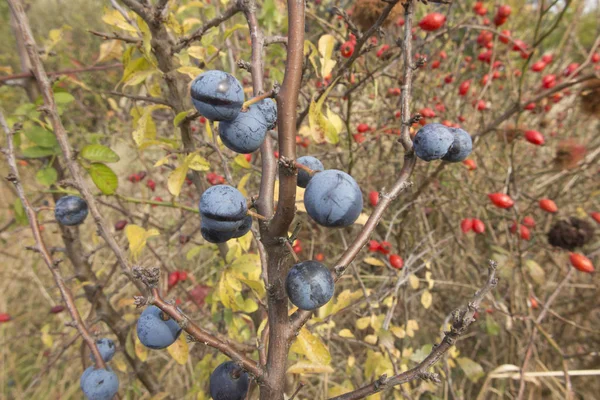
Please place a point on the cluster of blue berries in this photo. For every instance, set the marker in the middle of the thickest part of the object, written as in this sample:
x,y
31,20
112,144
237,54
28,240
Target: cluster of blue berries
x,y
100,384
437,141
219,96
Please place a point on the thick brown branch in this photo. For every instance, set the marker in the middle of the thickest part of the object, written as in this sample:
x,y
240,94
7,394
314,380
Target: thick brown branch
x,y
463,318
41,246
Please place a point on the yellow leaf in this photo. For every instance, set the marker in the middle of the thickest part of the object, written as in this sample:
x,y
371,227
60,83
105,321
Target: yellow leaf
x,y
179,350
147,40
197,52
241,185
326,45
371,339
374,261
245,241
114,18
197,162
137,237
430,281
162,161
411,327
311,347
311,51
398,332
119,364
242,162
324,130
309,368
138,77
234,28
426,299
192,72
414,281
176,179
363,323
141,351
346,333
109,50
46,337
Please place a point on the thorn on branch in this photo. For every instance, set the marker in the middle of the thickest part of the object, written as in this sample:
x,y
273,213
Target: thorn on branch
x,y
430,376
288,165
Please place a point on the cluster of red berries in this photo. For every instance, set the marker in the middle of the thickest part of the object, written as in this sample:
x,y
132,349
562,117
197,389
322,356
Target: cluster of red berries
x,y
176,277
385,248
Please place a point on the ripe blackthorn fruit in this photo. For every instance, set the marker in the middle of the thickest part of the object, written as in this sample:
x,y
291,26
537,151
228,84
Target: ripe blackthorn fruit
x,y
268,107
107,349
156,329
223,203
244,228
217,95
220,226
432,142
246,132
461,147
228,382
309,285
310,162
99,384
70,210
333,199
215,236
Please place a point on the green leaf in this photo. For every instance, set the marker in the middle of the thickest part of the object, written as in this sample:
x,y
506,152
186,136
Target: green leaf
x,y
20,215
491,326
46,176
38,152
104,178
63,98
180,117
536,272
41,137
472,370
99,153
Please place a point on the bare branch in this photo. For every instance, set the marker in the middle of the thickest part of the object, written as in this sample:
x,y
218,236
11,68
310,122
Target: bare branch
x,y
463,318
41,248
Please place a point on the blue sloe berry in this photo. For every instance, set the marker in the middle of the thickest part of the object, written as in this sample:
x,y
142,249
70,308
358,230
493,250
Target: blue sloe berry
x,y
309,285
156,329
461,147
246,132
312,163
244,228
333,199
99,384
223,203
268,107
107,349
432,142
229,382
70,210
217,95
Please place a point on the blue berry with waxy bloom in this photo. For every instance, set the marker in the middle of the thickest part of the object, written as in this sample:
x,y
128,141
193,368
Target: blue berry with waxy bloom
x,y
461,147
246,132
156,329
229,382
244,228
70,210
215,237
221,226
217,95
432,142
333,199
223,203
107,349
310,162
99,384
268,107
309,285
